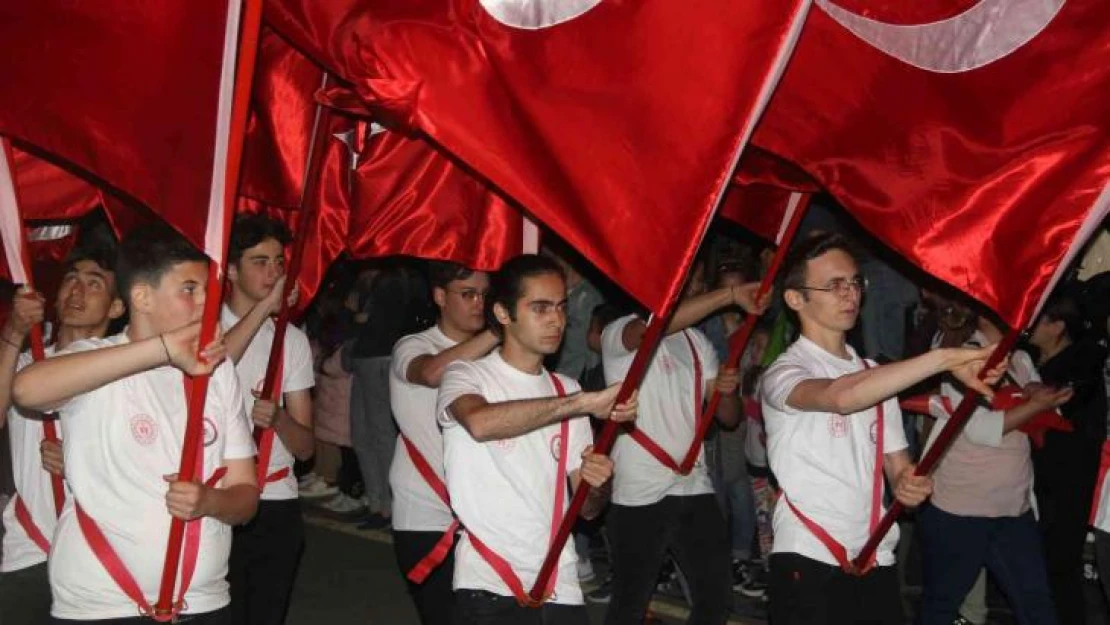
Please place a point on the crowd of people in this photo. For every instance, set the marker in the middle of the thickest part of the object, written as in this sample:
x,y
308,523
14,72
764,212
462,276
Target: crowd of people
x,y
457,410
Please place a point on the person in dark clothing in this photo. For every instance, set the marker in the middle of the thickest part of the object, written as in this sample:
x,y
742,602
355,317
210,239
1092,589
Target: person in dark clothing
x,y
395,304
1066,467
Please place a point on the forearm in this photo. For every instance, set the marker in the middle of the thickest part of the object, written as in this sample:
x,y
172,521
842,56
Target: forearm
x,y
233,505
428,371
9,357
729,411
48,383
510,419
595,502
862,390
697,308
1019,414
297,438
896,462
239,336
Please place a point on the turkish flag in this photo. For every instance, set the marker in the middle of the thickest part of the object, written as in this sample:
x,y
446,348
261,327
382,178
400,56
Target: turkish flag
x,y
974,140
127,91
764,192
617,124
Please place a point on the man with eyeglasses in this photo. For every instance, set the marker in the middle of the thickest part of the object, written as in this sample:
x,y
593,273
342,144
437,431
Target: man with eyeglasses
x,y
834,431
421,519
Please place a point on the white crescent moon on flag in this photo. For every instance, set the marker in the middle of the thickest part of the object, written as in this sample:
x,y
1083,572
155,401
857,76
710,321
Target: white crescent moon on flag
x,y
536,14
983,34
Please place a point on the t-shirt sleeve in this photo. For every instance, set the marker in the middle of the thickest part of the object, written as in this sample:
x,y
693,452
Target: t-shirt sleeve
x,y
460,378
405,351
615,358
894,434
779,381
580,431
240,442
298,374
984,427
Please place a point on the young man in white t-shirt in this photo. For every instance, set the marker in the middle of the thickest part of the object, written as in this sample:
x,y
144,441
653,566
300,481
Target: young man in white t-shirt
x,y
420,517
508,425
265,552
122,405
655,509
86,304
821,405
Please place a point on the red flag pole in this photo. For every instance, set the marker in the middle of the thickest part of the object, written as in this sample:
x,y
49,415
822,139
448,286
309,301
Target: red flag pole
x,y
270,390
38,351
929,462
739,341
197,388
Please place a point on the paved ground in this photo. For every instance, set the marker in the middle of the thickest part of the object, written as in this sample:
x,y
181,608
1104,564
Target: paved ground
x,y
348,577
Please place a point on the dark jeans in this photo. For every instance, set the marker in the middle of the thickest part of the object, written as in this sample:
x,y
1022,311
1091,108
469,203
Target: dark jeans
x,y
954,548
25,596
693,529
434,598
1102,560
264,558
478,607
808,592
218,617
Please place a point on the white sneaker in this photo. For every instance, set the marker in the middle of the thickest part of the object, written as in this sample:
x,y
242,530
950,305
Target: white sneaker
x,y
312,486
342,504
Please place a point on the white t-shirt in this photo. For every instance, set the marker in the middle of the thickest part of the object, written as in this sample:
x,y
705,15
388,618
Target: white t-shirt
x,y
297,374
32,483
121,440
504,491
824,462
666,414
416,507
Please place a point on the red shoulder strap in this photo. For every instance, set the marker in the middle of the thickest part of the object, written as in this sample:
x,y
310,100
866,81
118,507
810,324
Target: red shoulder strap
x,y
658,452
23,516
439,552
264,438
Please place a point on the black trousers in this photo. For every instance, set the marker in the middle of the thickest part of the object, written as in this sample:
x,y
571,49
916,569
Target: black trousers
x,y
264,558
25,596
218,617
692,529
478,607
434,598
808,592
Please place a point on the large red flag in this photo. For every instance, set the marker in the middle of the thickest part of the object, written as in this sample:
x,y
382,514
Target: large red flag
x,y
974,141
617,123
126,91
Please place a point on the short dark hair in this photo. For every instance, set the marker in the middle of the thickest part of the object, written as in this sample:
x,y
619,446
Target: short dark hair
x,y
507,285
793,275
1066,306
250,230
100,249
148,252
441,273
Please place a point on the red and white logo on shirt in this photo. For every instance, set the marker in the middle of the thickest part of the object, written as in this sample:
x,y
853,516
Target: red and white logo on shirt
x,y
838,425
555,444
144,429
211,432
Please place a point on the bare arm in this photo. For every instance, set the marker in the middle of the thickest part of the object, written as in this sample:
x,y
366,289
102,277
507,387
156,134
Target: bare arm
x,y
27,310
489,422
240,335
427,370
596,470
49,383
694,309
294,425
233,503
1041,398
861,390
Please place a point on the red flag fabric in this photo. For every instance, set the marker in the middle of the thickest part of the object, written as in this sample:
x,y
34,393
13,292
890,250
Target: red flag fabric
x,y
973,141
131,96
48,192
617,124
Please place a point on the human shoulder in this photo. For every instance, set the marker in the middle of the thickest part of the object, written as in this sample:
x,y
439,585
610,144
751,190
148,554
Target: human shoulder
x,y
612,337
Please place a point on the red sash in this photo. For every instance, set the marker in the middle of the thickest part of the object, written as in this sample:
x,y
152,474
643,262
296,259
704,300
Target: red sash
x,y
438,554
501,566
652,447
1103,469
117,570
264,438
23,515
833,545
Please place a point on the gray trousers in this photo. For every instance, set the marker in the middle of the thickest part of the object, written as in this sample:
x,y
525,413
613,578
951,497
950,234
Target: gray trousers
x,y
373,432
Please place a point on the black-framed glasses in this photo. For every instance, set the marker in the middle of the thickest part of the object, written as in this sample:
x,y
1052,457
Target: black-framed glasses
x,y
469,295
840,287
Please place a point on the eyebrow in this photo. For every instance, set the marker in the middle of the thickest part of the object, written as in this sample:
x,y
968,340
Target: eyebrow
x,y
547,301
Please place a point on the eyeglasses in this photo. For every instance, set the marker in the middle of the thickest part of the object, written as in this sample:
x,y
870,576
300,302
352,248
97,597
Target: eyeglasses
x,y
470,295
840,287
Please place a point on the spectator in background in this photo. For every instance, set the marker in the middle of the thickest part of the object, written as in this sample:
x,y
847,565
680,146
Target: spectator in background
x,y
394,303
575,357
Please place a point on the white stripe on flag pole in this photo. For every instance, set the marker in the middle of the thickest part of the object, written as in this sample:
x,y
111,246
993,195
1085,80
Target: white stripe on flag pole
x,y
11,226
531,237
1099,211
214,235
791,206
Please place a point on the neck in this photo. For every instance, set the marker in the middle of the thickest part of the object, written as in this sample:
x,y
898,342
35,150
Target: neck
x,y
239,303
520,357
140,328
70,334
833,341
453,333
1049,352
